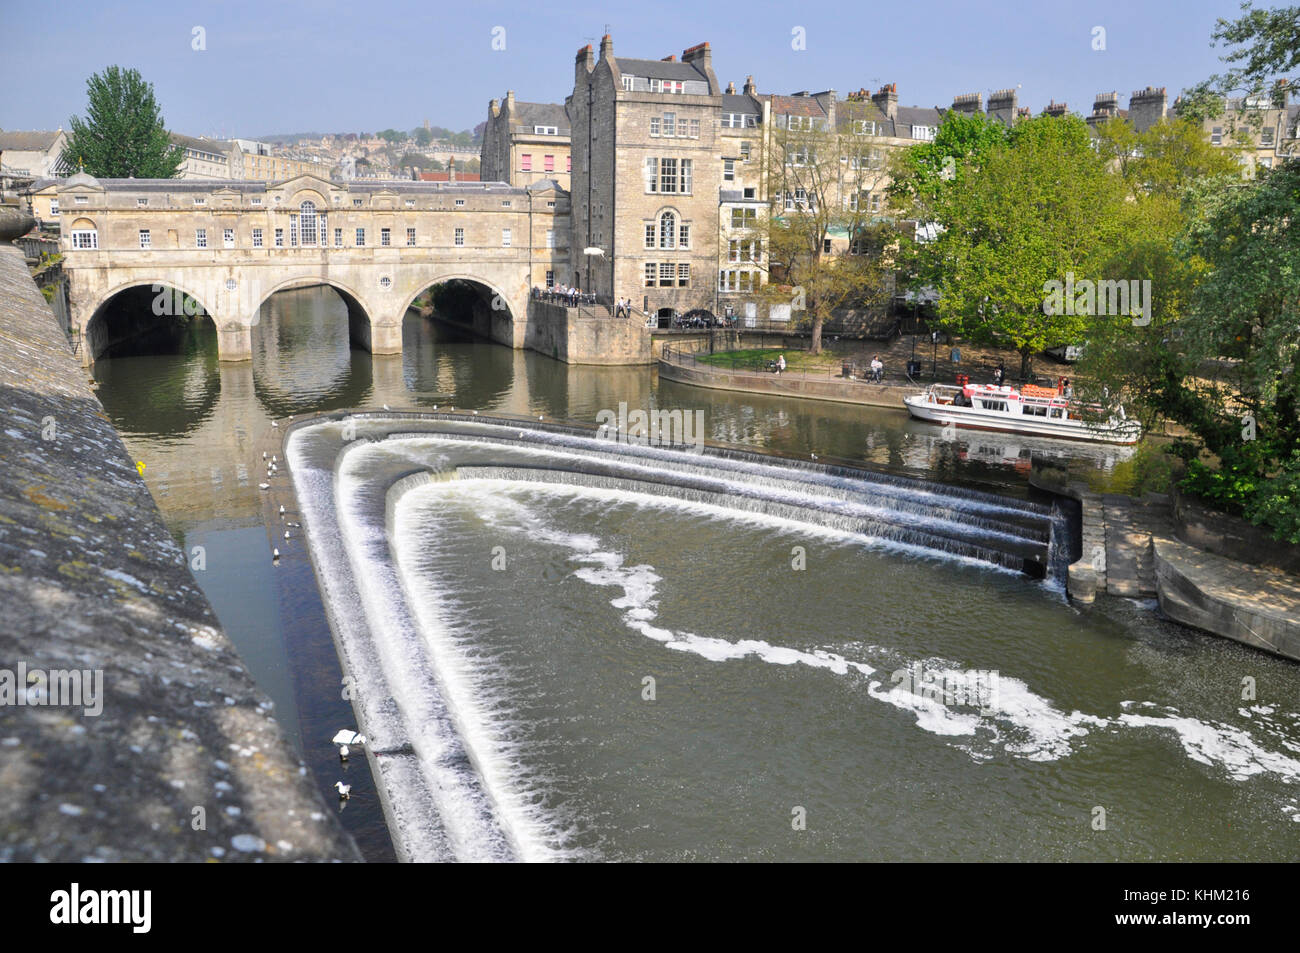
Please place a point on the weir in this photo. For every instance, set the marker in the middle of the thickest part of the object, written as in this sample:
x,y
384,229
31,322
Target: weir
x,y
444,782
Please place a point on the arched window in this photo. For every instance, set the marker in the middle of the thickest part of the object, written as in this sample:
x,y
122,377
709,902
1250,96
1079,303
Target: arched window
x,y
84,235
307,222
667,230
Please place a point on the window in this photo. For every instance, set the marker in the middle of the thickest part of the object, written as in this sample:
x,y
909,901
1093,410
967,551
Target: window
x,y
545,130
548,163
459,237
200,238
654,125
550,204
665,86
228,237
1266,162
338,238
356,203
667,274
141,203
505,238
410,203
459,203
684,236
293,230
1266,138
568,166
744,217
145,241
627,82
667,230
361,238
875,202
1216,136
650,235
650,271
279,238
864,127
385,282
257,238
728,170
744,151
550,279
386,237
683,275
526,162
550,238
923,132
795,123
197,200
750,192
410,238
54,206
257,199
826,245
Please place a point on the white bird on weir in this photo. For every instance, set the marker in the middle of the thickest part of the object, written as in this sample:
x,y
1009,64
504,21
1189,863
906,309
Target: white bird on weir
x,y
264,486
286,534
343,753
346,736
281,509
386,407
275,555
345,790
274,423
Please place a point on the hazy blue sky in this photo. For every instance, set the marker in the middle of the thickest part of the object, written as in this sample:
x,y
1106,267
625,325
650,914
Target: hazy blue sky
x,y
363,65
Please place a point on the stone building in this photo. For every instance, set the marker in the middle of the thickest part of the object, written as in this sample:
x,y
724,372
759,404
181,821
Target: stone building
x,y
204,158
647,177
37,154
526,142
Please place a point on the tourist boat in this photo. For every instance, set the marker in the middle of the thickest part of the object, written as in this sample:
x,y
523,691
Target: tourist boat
x,y
1040,411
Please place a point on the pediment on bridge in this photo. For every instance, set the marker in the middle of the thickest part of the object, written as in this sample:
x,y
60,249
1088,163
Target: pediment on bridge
x,y
306,181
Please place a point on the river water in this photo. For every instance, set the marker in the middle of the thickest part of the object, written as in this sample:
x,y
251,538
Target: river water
x,y
651,677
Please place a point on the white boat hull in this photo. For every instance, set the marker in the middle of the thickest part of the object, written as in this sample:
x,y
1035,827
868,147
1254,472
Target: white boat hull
x,y
976,418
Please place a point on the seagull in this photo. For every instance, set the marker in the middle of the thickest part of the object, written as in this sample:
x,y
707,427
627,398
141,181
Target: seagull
x,y
294,525
275,555
263,454
814,456
274,458
345,790
343,753
386,407
286,534
275,423
264,486
476,413
539,416
282,509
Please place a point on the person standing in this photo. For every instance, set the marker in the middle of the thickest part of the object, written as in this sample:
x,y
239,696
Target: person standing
x,y
780,364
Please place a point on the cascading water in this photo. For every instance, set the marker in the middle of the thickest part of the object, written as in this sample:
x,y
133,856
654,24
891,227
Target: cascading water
x,y
500,596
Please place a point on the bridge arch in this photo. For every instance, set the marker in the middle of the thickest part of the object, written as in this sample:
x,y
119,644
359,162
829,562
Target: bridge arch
x,y
165,299
501,314
361,316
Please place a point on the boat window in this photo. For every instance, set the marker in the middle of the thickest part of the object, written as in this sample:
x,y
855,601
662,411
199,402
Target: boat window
x,y
994,404
1035,410
1056,412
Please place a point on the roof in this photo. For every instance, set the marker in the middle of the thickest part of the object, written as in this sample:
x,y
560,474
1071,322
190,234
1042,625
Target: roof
x,y
796,106
660,69
40,140
909,116
739,103
200,144
446,176
359,186
541,114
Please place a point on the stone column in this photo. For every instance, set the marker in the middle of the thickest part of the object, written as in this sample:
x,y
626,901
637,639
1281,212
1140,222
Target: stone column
x,y
386,337
234,341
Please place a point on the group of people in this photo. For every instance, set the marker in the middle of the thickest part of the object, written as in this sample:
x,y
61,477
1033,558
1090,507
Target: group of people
x,y
623,308
568,296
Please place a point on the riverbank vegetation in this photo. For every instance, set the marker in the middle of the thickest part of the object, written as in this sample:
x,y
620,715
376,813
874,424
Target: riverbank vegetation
x,y
1208,335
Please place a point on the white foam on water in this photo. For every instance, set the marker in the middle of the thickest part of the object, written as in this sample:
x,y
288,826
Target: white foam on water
x,y
1224,746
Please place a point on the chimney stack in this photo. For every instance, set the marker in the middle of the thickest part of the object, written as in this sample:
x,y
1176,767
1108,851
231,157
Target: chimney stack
x,y
1146,107
1056,109
886,100
700,56
1002,106
606,47
968,104
731,89
750,88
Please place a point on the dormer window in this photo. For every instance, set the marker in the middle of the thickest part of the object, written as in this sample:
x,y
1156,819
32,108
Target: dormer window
x,y
864,127
200,201
141,203
81,199
629,82
545,130
256,200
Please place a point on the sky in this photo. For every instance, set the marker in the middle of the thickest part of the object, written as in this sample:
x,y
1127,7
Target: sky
x,y
237,68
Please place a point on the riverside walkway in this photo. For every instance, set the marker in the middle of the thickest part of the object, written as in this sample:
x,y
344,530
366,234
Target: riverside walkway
x,y
130,730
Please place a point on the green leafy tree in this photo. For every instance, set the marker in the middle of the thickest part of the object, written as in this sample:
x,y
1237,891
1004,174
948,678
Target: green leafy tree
x,y
825,235
422,136
123,133
1033,210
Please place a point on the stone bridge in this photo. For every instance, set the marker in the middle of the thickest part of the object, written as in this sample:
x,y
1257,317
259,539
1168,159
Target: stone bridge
x,y
224,247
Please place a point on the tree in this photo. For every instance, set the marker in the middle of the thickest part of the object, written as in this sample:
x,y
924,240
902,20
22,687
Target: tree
x,y
1037,209
1269,46
123,134
825,232
422,136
